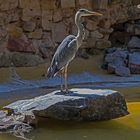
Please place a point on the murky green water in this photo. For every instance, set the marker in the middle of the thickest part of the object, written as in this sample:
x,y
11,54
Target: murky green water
x,y
125,128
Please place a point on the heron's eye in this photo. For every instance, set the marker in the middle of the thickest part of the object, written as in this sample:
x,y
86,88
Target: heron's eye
x,y
82,10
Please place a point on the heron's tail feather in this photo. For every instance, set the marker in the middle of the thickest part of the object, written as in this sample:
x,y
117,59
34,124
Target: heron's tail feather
x,y
52,72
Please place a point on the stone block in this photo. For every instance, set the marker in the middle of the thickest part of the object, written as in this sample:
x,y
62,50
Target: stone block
x,y
37,34
28,14
102,44
100,4
96,34
30,4
86,4
29,26
6,5
48,4
57,16
47,20
67,3
59,31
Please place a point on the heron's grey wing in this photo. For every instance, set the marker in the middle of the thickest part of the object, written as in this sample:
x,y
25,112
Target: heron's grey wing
x,y
66,54
57,61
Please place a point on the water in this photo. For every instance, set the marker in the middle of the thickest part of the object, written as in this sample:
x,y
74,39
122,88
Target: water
x,y
125,128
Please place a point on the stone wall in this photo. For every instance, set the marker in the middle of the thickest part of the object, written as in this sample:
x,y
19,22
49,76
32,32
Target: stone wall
x,y
30,30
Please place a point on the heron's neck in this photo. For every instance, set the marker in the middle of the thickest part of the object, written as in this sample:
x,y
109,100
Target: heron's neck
x,y
81,31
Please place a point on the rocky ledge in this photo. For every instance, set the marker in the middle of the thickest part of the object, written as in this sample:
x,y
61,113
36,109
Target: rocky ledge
x,y
78,104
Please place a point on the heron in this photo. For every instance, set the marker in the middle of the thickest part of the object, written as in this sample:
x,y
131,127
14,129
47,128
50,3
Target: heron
x,y
66,51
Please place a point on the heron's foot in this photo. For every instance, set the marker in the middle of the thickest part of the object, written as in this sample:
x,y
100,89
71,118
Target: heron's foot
x,y
65,91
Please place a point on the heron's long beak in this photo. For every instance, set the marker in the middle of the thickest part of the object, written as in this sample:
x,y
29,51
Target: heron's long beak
x,y
90,13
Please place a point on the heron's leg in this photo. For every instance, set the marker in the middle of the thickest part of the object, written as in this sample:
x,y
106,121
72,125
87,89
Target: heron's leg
x,y
62,72
65,75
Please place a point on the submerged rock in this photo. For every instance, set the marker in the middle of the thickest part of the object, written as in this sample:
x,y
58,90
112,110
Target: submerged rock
x,y
78,104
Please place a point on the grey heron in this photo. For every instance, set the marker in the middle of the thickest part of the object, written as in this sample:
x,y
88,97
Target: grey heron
x,y
66,51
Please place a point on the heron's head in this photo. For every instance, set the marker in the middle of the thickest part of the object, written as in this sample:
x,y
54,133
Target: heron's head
x,y
85,12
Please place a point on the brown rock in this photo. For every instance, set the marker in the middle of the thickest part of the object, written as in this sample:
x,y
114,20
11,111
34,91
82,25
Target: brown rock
x,y
37,34
47,20
57,16
137,29
14,31
48,40
29,26
48,4
3,41
91,42
20,45
68,12
67,3
86,3
59,32
102,44
26,59
8,4
5,59
91,25
28,14
100,4
96,34
30,4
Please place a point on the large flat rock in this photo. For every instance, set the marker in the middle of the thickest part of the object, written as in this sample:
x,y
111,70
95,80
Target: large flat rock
x,y
78,104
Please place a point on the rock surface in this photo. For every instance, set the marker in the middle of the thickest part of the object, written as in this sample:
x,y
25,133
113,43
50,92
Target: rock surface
x,y
134,62
78,104
134,44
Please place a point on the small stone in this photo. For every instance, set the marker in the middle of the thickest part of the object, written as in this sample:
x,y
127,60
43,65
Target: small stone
x,y
69,12
57,16
91,25
96,34
5,59
14,31
28,14
47,39
59,31
29,26
26,59
102,44
31,4
21,44
91,42
122,71
102,4
117,58
134,63
85,3
137,30
47,17
37,34
48,5
134,44
8,4
111,68
67,3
